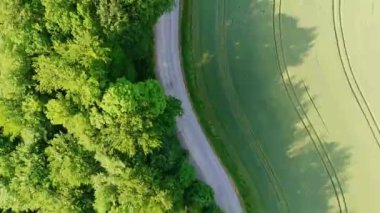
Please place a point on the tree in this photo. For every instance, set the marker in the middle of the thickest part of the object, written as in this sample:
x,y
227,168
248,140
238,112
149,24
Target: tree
x,y
69,163
80,131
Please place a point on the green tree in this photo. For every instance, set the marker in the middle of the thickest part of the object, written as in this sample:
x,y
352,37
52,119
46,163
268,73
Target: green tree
x,y
80,129
69,163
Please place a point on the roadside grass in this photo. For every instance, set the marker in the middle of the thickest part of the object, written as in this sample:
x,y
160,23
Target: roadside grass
x,y
190,71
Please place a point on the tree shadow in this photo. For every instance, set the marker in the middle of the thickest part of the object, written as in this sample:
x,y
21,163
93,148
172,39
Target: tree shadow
x,y
284,159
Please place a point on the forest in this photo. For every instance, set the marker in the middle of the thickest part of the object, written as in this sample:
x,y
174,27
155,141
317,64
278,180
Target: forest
x,y
84,127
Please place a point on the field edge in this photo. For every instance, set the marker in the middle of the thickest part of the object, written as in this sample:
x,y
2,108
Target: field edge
x,y
190,82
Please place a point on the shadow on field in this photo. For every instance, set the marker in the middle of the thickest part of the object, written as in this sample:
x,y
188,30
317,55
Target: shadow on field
x,y
307,179
272,150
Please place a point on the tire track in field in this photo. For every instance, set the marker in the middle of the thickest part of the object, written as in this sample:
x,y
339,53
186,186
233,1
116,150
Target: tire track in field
x,y
196,54
325,152
351,80
195,32
240,115
307,90
351,69
315,105
300,117
318,144
256,147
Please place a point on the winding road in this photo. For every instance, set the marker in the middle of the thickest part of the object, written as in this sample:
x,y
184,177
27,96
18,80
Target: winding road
x,y
169,73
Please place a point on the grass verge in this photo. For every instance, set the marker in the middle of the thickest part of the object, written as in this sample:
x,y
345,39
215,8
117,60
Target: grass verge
x,y
190,72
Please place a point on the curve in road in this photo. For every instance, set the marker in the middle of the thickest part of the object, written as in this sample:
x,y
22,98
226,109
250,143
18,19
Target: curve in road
x,y
169,73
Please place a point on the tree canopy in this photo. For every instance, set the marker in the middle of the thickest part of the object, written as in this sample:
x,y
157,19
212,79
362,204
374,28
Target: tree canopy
x,y
82,128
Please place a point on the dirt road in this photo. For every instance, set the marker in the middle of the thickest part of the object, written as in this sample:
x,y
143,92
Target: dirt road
x,y
169,73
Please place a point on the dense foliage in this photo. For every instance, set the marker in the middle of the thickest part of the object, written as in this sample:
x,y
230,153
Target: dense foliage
x,y
82,129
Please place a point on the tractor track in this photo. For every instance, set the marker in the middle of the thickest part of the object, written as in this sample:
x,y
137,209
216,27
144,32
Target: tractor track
x,y
241,116
351,69
323,154
315,105
342,49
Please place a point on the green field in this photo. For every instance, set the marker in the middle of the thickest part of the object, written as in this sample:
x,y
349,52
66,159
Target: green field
x,y
287,93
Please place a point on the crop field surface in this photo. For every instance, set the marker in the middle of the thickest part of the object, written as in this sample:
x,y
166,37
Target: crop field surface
x,y
288,92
